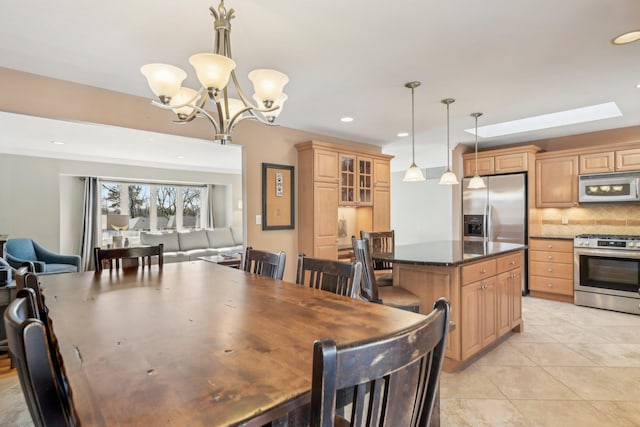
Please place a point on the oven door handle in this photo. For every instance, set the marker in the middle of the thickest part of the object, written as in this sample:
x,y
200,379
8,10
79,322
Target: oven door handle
x,y
637,189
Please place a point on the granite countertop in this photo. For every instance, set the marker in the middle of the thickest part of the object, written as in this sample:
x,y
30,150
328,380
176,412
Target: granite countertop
x,y
553,237
447,252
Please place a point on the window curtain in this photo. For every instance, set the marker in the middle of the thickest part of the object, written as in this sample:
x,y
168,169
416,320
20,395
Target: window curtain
x,y
211,220
90,221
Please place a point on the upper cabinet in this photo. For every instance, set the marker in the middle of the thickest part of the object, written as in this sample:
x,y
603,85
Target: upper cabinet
x,y
557,182
356,180
325,166
330,176
610,161
500,161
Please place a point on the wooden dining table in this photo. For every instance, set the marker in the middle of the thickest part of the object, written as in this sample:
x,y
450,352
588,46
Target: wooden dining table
x,y
196,343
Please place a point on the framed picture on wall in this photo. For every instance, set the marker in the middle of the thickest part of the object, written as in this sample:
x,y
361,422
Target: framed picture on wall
x,y
278,208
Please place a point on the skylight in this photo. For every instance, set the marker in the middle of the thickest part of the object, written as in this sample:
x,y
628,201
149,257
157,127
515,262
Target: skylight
x,y
546,121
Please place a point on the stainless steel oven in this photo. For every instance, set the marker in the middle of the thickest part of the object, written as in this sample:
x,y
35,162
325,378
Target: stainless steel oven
x,y
607,272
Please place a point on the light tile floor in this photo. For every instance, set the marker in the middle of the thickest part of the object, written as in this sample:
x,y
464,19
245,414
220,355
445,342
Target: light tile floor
x,y
572,366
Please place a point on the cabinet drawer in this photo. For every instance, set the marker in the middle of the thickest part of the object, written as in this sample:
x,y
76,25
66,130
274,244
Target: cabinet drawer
x,y
478,271
553,245
544,256
551,269
509,262
551,284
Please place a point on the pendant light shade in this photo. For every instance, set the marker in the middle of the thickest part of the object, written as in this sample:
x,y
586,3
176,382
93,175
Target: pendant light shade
x,y
476,182
414,173
448,177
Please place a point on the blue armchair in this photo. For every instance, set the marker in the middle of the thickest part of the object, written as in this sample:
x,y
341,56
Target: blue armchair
x,y
20,251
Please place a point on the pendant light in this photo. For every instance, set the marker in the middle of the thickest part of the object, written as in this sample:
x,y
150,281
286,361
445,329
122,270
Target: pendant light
x,y
476,182
448,177
414,173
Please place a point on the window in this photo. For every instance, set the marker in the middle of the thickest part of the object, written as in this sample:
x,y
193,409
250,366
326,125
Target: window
x,y
128,208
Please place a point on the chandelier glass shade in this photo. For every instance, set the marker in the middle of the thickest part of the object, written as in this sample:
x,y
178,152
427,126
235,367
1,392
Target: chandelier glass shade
x,y
216,74
476,182
448,177
414,173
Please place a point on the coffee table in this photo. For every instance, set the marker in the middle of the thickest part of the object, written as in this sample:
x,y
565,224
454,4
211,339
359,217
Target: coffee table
x,y
232,261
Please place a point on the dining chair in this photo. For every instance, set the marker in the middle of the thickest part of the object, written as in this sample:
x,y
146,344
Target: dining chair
x,y
341,278
41,377
141,253
381,242
264,263
5,299
392,296
391,380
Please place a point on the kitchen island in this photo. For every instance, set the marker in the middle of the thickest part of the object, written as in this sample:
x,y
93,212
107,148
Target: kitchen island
x,y
481,280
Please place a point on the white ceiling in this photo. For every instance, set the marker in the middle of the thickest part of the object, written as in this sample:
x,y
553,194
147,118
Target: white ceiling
x,y
508,59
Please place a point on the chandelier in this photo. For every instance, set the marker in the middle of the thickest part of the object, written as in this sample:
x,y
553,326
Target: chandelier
x,y
214,70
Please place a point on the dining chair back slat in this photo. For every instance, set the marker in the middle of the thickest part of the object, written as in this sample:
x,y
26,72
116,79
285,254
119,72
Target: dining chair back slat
x,y
341,278
264,263
391,381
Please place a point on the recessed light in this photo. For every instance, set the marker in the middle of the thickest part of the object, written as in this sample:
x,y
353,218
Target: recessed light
x,y
628,37
57,142
180,157
403,134
638,85
346,119
546,121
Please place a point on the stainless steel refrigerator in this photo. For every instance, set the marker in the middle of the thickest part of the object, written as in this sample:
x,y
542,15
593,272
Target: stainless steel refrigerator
x,y
497,213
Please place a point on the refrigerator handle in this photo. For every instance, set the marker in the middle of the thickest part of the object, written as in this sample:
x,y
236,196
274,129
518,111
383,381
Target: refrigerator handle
x,y
489,230
484,222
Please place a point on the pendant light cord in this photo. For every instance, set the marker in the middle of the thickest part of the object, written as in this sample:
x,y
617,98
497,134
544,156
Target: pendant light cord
x,y
448,149
476,144
413,131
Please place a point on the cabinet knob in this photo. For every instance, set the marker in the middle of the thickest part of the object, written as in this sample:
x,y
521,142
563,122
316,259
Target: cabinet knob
x,y
483,271
550,270
550,285
550,257
512,263
549,245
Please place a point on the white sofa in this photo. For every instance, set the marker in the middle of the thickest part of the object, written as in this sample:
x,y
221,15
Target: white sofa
x,y
188,246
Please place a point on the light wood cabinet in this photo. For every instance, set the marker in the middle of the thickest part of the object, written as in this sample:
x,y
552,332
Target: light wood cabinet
x,y
382,172
557,182
610,161
381,209
478,324
356,180
325,166
491,301
628,160
486,166
507,163
597,162
330,176
500,161
485,297
551,269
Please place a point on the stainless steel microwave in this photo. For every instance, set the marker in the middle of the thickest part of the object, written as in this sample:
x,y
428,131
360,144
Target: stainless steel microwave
x,y
611,187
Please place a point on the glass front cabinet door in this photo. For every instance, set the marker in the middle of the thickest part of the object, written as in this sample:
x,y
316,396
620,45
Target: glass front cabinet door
x,y
356,180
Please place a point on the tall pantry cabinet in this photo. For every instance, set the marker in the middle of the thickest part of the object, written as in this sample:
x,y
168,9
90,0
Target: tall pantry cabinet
x,y
332,176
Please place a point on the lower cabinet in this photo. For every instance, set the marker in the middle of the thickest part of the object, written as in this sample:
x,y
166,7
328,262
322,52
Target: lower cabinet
x,y
478,316
492,306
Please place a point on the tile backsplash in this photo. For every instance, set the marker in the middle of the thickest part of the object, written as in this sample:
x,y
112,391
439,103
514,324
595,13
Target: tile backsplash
x,y
610,218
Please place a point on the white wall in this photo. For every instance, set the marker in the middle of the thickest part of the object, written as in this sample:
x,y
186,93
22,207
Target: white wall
x,y
420,211
42,198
